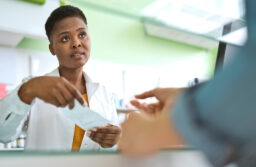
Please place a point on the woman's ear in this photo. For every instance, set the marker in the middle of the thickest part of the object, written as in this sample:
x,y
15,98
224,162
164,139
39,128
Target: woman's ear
x,y
51,49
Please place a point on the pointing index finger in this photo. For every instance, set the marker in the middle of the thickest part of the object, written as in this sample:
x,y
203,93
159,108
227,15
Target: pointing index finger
x,y
146,94
76,93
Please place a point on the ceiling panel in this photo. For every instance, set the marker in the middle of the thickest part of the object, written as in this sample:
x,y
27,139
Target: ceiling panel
x,y
128,7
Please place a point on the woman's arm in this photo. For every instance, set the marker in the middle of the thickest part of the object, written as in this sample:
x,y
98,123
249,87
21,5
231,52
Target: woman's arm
x,y
55,90
15,106
13,114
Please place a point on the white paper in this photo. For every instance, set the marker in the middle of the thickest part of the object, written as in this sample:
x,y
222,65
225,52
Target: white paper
x,y
84,117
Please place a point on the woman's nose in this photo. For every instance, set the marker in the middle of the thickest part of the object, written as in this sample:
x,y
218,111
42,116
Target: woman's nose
x,y
76,43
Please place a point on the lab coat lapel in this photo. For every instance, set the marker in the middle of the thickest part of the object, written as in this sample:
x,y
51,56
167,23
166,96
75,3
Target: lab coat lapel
x,y
91,86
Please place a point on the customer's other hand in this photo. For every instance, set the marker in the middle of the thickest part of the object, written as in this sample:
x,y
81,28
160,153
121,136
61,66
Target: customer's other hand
x,y
144,134
161,94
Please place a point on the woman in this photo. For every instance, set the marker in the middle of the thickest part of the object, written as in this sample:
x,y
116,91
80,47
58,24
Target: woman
x,y
67,31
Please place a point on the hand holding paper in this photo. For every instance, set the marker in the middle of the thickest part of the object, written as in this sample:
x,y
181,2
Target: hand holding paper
x,y
106,136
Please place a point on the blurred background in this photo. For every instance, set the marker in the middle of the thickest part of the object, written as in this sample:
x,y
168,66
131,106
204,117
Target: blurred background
x,y
137,45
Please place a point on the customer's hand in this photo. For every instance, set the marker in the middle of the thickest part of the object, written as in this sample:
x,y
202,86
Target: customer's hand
x,y
106,136
161,94
144,134
55,90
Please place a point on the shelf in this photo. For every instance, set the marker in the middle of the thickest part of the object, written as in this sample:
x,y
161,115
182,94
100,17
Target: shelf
x,y
125,111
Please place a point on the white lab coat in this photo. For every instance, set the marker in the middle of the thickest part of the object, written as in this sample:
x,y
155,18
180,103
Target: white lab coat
x,y
49,129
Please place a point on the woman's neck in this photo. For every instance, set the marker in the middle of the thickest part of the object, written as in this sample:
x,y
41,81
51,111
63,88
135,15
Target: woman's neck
x,y
74,76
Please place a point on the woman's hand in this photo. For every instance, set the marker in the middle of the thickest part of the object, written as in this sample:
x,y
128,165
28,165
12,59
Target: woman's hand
x,y
106,136
55,90
161,94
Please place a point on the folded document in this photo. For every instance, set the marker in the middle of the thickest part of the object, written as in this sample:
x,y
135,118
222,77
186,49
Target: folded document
x,y
84,117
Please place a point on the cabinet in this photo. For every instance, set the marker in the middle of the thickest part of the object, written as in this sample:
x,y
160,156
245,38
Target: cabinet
x,y
17,17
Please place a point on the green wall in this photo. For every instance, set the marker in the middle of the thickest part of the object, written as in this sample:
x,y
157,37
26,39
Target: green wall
x,y
121,39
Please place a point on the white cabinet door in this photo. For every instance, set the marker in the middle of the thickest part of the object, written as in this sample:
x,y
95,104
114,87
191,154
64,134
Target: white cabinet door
x,y
23,19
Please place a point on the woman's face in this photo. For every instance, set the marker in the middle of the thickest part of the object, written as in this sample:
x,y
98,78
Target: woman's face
x,y
70,42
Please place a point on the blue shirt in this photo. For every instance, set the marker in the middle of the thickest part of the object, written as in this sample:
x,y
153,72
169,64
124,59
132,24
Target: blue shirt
x,y
219,117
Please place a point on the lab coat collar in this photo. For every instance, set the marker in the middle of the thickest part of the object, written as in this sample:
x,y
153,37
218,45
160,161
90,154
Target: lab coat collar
x,y
91,86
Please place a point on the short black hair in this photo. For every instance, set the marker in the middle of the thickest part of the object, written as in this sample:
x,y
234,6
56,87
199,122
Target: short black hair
x,y
60,13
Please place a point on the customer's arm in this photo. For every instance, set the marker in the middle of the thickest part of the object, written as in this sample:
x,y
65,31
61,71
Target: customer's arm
x,y
219,117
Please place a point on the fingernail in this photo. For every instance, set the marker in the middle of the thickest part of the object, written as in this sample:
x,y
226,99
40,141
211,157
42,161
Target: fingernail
x,y
88,134
94,129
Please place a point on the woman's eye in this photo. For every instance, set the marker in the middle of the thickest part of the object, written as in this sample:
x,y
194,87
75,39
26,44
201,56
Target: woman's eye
x,y
82,35
64,39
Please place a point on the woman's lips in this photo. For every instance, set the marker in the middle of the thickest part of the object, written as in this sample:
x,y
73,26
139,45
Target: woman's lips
x,y
77,55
